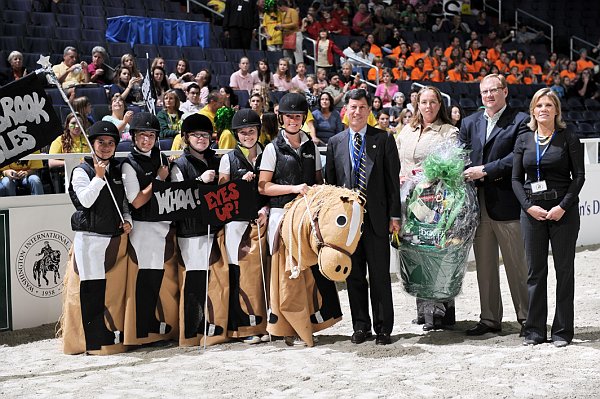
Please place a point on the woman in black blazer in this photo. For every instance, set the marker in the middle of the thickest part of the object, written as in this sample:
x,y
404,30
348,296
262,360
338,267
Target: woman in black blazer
x,y
548,174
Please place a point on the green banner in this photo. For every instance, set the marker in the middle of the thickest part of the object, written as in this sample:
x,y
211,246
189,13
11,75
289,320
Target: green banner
x,y
4,272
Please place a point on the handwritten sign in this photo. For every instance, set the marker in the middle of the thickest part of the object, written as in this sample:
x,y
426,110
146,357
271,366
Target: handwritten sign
x,y
215,205
27,120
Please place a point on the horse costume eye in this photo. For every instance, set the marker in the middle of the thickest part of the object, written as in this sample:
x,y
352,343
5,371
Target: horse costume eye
x,y
341,221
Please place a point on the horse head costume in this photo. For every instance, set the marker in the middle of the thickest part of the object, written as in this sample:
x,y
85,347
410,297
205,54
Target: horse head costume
x,y
323,227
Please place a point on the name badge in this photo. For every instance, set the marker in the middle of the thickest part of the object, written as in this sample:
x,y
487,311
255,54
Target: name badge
x,y
239,8
538,186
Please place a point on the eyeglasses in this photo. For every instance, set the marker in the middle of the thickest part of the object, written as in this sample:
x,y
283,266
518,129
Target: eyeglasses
x,y
73,125
493,91
199,136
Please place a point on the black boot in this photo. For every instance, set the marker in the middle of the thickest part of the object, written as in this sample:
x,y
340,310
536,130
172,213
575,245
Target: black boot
x,y
194,294
237,317
92,294
330,306
147,289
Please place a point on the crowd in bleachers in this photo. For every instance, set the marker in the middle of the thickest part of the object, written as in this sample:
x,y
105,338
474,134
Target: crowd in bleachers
x,y
405,41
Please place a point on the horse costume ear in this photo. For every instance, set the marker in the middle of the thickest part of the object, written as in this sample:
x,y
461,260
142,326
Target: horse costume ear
x,y
345,199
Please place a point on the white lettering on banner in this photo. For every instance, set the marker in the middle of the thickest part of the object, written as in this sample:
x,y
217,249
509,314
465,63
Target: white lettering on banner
x,y
452,7
17,111
170,201
17,141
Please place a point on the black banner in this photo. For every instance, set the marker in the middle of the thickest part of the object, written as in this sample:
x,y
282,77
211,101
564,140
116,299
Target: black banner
x,y
27,120
216,205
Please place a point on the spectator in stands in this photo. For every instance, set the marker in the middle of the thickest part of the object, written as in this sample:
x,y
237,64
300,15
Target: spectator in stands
x,y
336,91
158,85
282,78
415,54
289,26
482,24
536,69
557,86
381,25
568,85
409,12
418,73
404,119
230,99
160,62
583,62
362,23
571,71
440,74
346,73
331,25
182,76
458,26
240,23
366,55
269,128
311,27
400,72
192,103
242,79
454,45
376,74
397,107
523,35
459,73
383,122
169,117
125,85
374,49
414,95
128,61
257,104
325,49
263,90
69,72
274,37
120,116
21,174
203,79
83,106
70,141
493,45
299,80
585,87
327,119
263,73
322,81
528,76
519,61
312,92
502,63
376,106
17,70
386,90
483,72
352,52
551,64
97,70
456,114
469,62
514,77
346,26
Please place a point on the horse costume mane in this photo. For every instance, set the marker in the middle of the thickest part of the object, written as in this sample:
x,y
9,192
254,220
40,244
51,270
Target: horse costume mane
x,y
324,227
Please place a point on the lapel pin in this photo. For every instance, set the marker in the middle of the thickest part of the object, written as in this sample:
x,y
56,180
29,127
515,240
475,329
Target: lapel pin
x,y
374,146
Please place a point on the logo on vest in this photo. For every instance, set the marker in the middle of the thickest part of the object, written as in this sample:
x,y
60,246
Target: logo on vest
x,y
41,263
311,156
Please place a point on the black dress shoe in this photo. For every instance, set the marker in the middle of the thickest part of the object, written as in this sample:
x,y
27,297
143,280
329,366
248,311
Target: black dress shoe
x,y
481,329
360,336
383,339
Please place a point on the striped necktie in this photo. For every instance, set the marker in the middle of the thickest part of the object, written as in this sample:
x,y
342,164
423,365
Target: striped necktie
x,y
360,175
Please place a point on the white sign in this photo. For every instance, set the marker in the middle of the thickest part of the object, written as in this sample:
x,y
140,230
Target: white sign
x,y
40,239
452,7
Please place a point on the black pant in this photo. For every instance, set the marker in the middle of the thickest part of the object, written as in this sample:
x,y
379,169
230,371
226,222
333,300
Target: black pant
x,y
562,235
240,38
373,252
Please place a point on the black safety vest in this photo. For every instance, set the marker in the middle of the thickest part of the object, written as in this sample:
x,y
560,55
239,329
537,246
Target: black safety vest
x,y
291,168
191,168
239,166
102,217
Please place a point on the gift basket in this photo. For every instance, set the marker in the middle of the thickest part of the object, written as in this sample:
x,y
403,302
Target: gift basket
x,y
440,216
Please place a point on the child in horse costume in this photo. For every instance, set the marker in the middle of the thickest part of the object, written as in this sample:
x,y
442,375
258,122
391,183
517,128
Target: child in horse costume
x,y
151,313
244,243
290,165
198,162
94,305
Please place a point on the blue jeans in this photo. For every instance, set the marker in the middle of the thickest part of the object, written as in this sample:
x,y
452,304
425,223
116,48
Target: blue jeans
x,y
8,187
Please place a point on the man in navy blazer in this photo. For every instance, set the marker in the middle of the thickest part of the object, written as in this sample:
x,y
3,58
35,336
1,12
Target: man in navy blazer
x,y
490,135
382,216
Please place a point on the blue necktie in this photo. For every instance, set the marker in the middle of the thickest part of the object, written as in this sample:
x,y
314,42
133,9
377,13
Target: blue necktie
x,y
360,175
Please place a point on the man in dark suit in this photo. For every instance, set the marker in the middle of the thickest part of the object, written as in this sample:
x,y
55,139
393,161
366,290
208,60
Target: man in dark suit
x,y
366,159
490,135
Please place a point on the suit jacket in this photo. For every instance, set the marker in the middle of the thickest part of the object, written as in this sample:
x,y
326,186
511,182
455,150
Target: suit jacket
x,y
382,168
496,153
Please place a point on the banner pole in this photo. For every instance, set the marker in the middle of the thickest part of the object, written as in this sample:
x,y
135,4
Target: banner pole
x,y
150,102
262,270
54,80
208,248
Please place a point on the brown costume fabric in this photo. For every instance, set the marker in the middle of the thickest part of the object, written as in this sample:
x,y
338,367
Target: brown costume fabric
x,y
116,279
167,308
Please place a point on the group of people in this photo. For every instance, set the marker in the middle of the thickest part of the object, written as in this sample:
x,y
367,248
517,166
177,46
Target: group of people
x,y
528,172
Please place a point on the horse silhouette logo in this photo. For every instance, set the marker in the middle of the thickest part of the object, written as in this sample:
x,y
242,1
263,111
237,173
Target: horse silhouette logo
x,y
41,263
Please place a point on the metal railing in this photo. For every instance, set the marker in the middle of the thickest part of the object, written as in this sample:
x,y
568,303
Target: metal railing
x,y
314,56
487,6
519,11
573,50
204,6
446,96
360,60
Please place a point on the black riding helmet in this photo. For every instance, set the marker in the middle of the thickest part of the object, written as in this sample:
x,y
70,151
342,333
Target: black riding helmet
x,y
293,103
196,123
103,128
245,117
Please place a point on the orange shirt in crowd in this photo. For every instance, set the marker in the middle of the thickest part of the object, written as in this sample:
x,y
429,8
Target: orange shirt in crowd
x,y
527,80
454,76
519,65
376,50
417,74
475,53
583,64
448,52
571,75
411,61
372,74
493,55
437,76
512,80
400,74
502,67
535,68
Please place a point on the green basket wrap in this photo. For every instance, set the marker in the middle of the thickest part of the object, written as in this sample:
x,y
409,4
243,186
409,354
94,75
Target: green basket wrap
x,y
433,273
